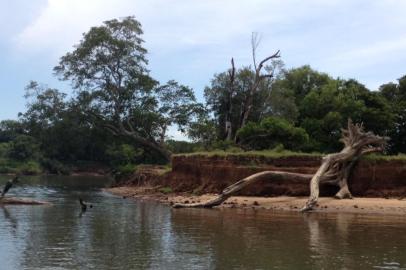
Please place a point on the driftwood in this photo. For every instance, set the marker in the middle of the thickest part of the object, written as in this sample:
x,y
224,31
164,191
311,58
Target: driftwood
x,y
335,169
229,191
20,201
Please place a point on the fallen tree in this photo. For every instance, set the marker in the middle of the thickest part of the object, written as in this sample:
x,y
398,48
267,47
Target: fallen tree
x,y
20,201
335,169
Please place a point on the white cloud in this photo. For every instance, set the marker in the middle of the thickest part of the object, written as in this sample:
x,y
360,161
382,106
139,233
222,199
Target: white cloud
x,y
168,24
372,54
61,23
189,39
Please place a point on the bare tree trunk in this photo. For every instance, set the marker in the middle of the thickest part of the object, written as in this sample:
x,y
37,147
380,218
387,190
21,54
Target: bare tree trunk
x,y
335,169
258,77
240,119
161,150
229,128
120,130
234,188
247,111
257,80
162,135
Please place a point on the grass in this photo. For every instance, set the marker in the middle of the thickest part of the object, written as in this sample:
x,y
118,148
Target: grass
x,y
165,190
264,153
377,157
287,153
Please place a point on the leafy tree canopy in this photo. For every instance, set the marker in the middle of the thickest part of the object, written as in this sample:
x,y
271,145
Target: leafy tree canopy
x,y
270,132
109,66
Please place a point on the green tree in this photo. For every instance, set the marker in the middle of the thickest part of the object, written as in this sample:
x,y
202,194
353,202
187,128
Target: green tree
x,y
10,129
177,106
271,132
395,94
203,130
23,148
109,64
60,127
217,99
123,155
44,106
238,96
302,80
324,112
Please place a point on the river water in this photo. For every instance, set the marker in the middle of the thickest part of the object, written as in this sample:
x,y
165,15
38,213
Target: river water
x,y
122,234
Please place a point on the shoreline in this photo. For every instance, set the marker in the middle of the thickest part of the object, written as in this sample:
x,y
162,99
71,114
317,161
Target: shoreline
x,y
371,206
74,173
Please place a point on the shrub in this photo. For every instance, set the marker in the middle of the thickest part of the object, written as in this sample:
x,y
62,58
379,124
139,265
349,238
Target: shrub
x,y
23,148
30,168
178,147
223,145
270,133
165,190
123,155
126,169
4,149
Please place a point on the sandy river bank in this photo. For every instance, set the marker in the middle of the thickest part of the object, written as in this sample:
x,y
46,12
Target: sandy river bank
x,y
389,206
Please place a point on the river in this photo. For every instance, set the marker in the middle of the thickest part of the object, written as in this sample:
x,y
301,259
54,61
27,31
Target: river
x,y
118,233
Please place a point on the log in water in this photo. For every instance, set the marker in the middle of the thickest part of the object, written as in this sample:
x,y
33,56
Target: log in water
x,y
21,201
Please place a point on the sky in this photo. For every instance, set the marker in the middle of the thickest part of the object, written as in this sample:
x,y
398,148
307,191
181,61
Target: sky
x,y
190,40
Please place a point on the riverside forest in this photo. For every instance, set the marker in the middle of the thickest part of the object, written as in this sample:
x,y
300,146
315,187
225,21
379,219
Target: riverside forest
x,y
118,115
304,170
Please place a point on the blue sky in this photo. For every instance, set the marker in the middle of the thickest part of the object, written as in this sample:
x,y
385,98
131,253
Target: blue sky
x,y
190,40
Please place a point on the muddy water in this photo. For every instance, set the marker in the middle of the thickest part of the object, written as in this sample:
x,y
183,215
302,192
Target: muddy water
x,y
122,234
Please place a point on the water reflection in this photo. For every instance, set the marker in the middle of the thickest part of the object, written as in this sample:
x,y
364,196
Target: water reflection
x,y
348,241
11,220
121,234
239,239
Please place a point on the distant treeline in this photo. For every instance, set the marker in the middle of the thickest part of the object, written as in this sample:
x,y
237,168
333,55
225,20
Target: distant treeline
x,y
118,115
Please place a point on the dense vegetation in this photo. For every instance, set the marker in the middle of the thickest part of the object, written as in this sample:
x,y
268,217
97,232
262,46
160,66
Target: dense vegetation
x,y
118,115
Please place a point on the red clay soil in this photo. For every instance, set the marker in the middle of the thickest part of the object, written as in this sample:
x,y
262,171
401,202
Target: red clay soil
x,y
211,174
201,174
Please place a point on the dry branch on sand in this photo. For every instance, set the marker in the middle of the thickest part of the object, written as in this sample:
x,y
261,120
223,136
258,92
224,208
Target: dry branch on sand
x,y
335,169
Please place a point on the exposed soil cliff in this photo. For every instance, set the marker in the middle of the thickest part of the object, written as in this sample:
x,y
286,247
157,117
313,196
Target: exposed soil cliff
x,y
211,174
201,174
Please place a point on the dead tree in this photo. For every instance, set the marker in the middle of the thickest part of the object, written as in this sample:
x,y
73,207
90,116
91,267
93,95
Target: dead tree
x,y
335,169
229,103
258,78
234,188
